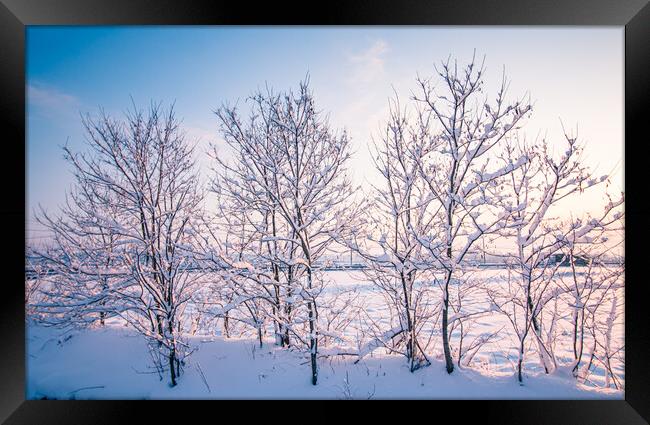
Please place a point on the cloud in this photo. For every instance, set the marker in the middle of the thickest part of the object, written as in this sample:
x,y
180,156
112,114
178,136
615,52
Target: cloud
x,y
367,106
368,65
51,100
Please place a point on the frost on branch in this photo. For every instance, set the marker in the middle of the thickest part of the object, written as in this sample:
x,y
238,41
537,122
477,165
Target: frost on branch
x,y
120,240
283,205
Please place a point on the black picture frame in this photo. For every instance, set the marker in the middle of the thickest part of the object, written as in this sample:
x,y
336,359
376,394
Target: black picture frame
x,y
15,15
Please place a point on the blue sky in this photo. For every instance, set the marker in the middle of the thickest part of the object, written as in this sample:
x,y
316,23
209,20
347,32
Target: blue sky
x,y
575,73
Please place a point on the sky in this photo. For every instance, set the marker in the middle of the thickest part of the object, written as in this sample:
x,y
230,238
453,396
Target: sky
x,y
573,74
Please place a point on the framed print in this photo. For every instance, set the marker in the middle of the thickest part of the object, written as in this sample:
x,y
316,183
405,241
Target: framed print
x,y
439,202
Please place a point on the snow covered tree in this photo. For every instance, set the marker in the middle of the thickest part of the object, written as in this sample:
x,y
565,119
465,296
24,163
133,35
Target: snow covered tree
x,y
528,198
83,269
462,128
248,228
595,277
289,185
386,238
124,234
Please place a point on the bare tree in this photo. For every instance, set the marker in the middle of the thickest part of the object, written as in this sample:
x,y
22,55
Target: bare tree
x,y
387,239
594,277
289,173
128,218
248,227
462,128
81,268
529,196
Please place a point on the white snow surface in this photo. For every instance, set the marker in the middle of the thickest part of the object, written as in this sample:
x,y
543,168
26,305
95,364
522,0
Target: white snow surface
x,y
113,363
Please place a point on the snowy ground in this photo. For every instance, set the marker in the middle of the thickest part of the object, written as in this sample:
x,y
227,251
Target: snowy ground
x,y
113,363
499,356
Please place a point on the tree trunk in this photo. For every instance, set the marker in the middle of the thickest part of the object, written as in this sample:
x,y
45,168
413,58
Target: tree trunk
x,y
288,307
160,329
449,362
313,340
172,370
173,359
313,345
410,341
277,326
537,329
521,359
578,341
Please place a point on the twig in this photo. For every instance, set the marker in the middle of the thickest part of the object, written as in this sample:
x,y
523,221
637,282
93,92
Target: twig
x,y
85,388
